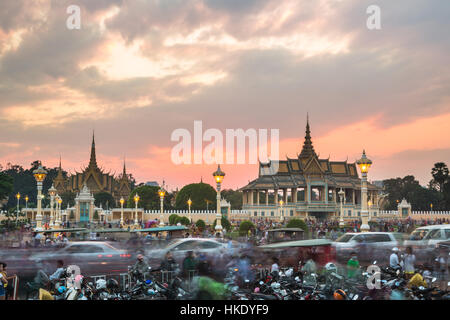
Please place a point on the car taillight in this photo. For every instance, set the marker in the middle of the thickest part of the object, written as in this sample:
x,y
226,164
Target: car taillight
x,y
109,255
125,255
99,256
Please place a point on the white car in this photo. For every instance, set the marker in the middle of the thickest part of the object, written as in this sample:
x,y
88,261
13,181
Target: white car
x,y
180,247
429,235
368,245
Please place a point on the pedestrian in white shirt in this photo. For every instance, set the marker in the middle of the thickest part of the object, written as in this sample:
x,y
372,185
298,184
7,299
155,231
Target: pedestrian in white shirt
x,y
409,261
393,259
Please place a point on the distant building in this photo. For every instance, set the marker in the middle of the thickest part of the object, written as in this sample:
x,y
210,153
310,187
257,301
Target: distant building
x,y
309,187
95,179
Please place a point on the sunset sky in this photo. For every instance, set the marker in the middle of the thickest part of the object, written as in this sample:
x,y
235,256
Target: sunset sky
x,y
139,69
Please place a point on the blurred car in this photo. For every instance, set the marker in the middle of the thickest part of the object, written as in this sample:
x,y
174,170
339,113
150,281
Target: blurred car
x,y
180,247
93,258
368,246
421,235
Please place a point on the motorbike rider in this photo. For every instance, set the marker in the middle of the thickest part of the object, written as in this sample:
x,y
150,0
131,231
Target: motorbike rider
x,y
140,267
394,260
169,263
42,279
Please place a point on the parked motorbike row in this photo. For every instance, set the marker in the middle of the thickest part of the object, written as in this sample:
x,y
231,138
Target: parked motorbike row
x,y
288,285
329,285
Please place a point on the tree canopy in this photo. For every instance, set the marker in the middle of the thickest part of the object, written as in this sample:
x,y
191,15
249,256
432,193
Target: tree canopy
x,y
234,197
149,198
104,199
199,194
409,188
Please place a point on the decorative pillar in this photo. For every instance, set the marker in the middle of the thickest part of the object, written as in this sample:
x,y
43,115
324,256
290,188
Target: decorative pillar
x,y
39,175
218,176
364,164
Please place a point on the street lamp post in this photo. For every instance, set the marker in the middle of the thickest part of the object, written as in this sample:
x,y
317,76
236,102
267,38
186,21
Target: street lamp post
x,y
369,203
58,211
26,202
161,193
136,200
364,164
122,201
52,192
189,202
281,210
431,207
341,194
218,176
39,175
18,201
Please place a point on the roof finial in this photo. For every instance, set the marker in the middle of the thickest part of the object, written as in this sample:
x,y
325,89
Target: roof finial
x,y
308,149
93,160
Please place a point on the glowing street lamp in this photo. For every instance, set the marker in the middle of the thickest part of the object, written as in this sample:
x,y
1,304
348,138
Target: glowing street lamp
x,y
26,202
52,193
341,194
218,176
58,210
281,202
39,175
136,200
431,207
161,194
18,201
364,165
189,202
122,201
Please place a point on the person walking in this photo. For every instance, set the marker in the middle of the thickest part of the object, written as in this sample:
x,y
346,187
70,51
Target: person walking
x,y
409,261
352,266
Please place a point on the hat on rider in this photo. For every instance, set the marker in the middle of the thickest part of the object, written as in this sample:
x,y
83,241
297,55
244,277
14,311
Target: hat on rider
x,y
395,249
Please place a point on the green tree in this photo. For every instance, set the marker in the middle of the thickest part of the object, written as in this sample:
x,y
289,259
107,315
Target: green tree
x,y
149,198
6,185
95,216
173,218
245,226
105,199
225,224
183,220
233,197
198,192
297,223
200,224
409,188
68,199
440,175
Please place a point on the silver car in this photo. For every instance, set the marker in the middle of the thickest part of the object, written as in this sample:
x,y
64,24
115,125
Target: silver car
x,y
368,246
180,247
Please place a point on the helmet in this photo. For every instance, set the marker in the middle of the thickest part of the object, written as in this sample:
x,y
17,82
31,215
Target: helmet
x,y
151,292
256,290
339,294
275,285
100,284
148,281
112,284
331,267
395,249
289,272
61,289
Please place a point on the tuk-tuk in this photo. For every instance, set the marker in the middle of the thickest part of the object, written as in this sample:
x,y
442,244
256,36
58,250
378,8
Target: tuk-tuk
x,y
290,253
285,234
